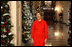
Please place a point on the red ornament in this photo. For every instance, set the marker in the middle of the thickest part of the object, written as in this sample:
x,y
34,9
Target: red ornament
x,y
1,10
6,31
6,17
1,40
69,16
3,25
6,22
5,42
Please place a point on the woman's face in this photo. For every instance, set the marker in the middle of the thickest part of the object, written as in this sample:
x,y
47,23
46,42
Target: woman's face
x,y
38,16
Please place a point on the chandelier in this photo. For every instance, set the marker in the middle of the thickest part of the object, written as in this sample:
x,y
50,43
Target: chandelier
x,y
48,3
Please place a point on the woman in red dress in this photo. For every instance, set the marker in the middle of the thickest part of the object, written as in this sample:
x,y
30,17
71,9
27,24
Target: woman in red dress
x,y
39,32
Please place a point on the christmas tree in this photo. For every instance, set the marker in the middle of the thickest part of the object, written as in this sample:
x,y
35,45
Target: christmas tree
x,y
27,21
69,32
33,11
6,35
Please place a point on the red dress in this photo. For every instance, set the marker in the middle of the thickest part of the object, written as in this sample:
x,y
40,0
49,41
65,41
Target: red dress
x,y
39,32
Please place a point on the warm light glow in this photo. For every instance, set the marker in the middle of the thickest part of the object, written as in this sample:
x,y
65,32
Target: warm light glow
x,y
47,1
56,33
57,9
48,44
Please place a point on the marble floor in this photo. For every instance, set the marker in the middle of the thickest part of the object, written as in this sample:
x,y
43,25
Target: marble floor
x,y
57,35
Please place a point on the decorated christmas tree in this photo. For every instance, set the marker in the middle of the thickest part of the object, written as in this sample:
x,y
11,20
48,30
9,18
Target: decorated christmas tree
x,y
6,35
27,21
69,32
33,11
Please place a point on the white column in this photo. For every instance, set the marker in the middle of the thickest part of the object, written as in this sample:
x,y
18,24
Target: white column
x,y
15,13
19,23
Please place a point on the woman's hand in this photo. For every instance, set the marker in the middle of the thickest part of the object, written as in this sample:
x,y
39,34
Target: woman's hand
x,y
45,40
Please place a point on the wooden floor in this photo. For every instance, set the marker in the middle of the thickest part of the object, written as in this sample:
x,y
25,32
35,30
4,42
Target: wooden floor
x,y
52,40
